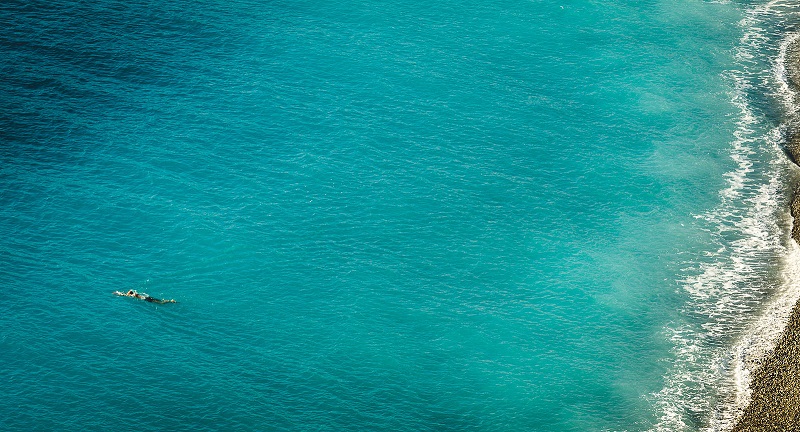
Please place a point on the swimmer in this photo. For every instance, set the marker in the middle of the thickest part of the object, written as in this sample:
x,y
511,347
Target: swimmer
x,y
143,296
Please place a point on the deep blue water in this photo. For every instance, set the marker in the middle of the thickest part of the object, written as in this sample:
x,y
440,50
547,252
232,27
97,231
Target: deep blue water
x,y
385,215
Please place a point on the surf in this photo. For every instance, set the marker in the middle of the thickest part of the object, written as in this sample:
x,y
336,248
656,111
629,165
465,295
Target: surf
x,y
745,287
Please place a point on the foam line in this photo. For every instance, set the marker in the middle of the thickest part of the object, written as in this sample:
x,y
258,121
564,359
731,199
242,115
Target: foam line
x,y
728,291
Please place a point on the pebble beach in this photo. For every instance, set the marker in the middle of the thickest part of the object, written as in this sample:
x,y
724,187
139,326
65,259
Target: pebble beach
x,y
775,385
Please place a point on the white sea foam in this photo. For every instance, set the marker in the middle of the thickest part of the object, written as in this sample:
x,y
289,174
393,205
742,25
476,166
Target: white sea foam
x,y
727,327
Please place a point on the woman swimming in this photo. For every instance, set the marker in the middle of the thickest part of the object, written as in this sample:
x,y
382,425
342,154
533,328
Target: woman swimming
x,y
142,296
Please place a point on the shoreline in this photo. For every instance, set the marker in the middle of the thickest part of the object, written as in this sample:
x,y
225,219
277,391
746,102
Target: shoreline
x,y
775,384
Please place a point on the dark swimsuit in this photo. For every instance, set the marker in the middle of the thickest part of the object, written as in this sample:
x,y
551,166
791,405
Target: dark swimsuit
x,y
155,300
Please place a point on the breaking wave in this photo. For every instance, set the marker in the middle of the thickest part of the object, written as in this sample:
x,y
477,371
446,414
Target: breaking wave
x,y
741,291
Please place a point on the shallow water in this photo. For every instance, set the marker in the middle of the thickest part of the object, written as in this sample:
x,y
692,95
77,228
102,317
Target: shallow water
x,y
383,215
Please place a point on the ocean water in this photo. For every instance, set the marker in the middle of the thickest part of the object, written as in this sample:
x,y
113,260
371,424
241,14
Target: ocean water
x,y
391,215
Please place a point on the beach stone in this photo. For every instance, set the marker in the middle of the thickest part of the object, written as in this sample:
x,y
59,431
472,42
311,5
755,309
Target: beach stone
x,y
775,403
775,385
794,208
793,63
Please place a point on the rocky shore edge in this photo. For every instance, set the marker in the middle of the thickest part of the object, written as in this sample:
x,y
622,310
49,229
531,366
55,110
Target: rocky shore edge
x,y
775,384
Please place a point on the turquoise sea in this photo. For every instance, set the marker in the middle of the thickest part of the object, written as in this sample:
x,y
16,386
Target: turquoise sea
x,y
391,215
